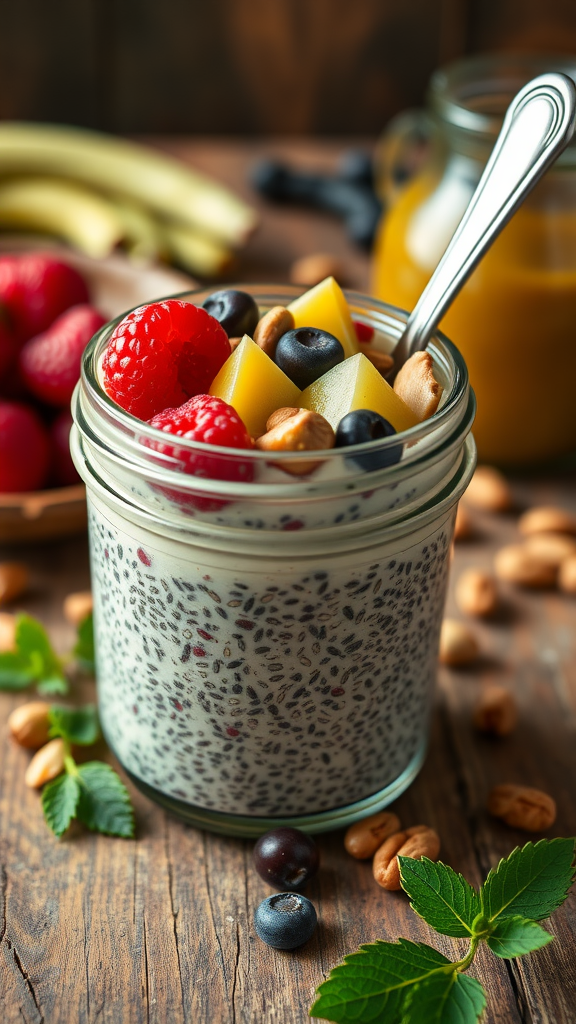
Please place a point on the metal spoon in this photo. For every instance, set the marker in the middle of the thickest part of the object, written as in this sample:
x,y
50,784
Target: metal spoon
x,y
538,125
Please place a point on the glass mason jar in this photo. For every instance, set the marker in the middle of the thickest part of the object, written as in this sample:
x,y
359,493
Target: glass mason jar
x,y
514,319
267,643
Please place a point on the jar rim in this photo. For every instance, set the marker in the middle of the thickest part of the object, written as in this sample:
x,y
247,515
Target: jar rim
x,y
471,94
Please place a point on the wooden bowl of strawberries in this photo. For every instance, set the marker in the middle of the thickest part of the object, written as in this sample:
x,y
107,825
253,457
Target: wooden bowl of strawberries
x,y
52,301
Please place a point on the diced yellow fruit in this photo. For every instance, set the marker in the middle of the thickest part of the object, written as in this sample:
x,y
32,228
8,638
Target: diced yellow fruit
x,y
325,308
356,384
254,386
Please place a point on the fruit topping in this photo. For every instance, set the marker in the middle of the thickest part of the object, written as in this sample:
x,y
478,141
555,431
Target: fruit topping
x,y
356,384
298,431
363,425
307,353
35,289
326,308
161,354
364,332
24,448
253,385
50,363
236,311
286,858
285,920
210,420
271,327
416,385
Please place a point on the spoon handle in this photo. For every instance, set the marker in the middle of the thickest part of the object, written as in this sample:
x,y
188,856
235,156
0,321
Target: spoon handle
x,y
539,123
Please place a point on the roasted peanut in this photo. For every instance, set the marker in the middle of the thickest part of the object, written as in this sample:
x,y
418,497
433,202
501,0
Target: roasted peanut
x,y
496,711
47,763
463,525
553,548
29,724
305,431
476,593
7,632
77,606
416,385
279,415
381,360
546,519
489,490
271,327
310,270
567,576
458,645
517,563
13,581
522,807
364,837
418,841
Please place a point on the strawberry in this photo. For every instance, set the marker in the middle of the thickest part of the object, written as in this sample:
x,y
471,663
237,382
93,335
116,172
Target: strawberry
x,y
63,469
24,448
50,363
35,289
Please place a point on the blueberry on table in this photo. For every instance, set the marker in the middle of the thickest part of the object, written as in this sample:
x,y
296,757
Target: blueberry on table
x,y
307,353
286,858
363,425
236,311
285,921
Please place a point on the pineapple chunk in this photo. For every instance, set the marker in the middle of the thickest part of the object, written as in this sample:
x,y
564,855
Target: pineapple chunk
x,y
326,308
356,384
254,386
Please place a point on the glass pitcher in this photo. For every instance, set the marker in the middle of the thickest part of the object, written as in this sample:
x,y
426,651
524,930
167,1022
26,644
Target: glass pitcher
x,y
515,319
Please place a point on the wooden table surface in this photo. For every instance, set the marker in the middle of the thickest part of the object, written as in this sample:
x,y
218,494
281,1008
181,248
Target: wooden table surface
x,y
159,929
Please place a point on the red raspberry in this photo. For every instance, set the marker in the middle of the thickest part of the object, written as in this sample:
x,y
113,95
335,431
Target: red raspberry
x,y
50,363
161,354
24,448
364,332
63,472
207,419
37,288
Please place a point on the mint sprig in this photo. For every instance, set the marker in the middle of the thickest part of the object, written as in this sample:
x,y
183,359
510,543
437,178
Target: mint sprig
x,y
405,982
34,660
83,650
76,725
94,794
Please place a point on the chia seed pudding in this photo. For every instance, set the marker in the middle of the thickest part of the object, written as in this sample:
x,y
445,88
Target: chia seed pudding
x,y
250,673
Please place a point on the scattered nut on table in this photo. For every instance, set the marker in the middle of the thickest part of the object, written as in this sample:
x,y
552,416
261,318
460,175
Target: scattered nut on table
x,y
517,563
29,724
476,593
7,632
463,527
489,490
546,519
496,711
78,606
304,431
13,581
458,644
364,837
271,327
553,548
310,270
416,385
417,842
567,576
522,807
47,763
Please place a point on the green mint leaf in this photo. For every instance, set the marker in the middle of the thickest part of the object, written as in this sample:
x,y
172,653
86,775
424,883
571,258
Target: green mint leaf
x,y
514,936
104,804
445,999
443,898
371,984
59,802
32,642
532,882
16,672
76,725
84,649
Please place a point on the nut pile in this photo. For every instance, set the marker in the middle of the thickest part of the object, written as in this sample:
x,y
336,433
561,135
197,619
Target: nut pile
x,y
381,836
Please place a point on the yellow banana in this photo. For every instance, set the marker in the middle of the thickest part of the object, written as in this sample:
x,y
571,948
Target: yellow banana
x,y
143,238
61,208
100,161
196,253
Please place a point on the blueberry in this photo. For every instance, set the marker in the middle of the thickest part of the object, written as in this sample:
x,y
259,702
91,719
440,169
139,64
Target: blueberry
x,y
286,858
364,425
306,354
237,312
285,920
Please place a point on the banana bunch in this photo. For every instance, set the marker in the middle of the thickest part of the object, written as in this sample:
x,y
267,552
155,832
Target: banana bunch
x,y
98,192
